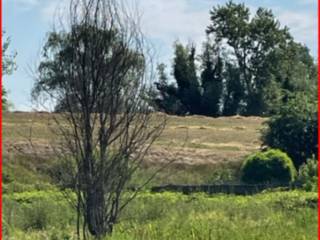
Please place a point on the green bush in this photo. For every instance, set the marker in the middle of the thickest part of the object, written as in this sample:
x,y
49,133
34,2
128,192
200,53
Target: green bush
x,y
38,216
272,166
37,211
308,175
294,129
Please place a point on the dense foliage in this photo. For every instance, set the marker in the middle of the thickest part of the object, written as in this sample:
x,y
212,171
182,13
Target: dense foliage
x,y
249,65
268,167
308,175
197,216
294,128
59,55
8,66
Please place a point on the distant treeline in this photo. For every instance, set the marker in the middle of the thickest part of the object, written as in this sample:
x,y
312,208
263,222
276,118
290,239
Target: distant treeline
x,y
249,65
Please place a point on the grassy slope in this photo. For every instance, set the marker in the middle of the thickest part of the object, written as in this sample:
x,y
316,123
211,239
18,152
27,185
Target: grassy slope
x,y
198,145
34,209
192,140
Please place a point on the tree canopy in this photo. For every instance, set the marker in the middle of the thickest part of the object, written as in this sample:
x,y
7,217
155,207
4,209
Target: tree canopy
x,y
249,65
96,72
8,66
294,128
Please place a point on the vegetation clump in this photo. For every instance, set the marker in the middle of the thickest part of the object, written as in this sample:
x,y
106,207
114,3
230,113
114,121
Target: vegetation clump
x,y
294,128
272,166
308,175
248,65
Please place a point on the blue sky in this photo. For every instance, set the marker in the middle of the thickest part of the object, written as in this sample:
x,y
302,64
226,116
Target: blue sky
x,y
164,21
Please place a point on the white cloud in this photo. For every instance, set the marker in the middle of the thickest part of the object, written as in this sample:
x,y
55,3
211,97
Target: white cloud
x,y
163,21
167,21
173,19
186,20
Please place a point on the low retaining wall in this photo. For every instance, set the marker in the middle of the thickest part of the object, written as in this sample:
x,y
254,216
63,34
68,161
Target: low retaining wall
x,y
239,189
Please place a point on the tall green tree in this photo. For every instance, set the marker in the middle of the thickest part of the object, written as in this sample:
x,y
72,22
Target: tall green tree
x,y
183,96
99,65
58,57
294,128
211,80
184,72
233,91
250,65
8,67
167,99
294,68
251,41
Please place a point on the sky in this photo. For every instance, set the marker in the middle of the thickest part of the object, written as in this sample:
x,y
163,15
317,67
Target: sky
x,y
27,23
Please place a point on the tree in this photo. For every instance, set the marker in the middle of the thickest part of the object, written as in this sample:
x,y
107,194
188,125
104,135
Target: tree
x,y
294,129
166,97
184,72
233,91
251,40
293,70
211,81
8,66
99,68
191,94
249,65
183,96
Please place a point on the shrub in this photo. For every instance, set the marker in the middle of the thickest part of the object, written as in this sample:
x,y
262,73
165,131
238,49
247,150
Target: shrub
x,y
308,175
222,175
272,166
37,210
37,216
294,129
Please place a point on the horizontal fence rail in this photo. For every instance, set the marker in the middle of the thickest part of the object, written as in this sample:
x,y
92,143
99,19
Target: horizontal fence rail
x,y
239,189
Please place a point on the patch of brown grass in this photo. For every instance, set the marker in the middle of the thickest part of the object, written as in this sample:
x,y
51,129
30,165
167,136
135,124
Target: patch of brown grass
x,y
191,140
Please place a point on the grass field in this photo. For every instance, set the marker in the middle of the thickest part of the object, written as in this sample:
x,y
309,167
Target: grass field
x,y
203,149
193,140
207,150
172,216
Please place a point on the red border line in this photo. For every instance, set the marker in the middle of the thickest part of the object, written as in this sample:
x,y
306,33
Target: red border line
x,y
1,122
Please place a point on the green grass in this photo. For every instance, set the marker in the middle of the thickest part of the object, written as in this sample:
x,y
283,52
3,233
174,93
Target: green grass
x,y
33,208
202,174
35,211
25,173
274,215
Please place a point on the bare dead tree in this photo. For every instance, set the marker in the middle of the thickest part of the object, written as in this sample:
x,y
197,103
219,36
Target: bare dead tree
x,y
98,67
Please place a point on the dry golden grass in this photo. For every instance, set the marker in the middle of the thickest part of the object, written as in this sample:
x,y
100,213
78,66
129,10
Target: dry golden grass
x,y
191,140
